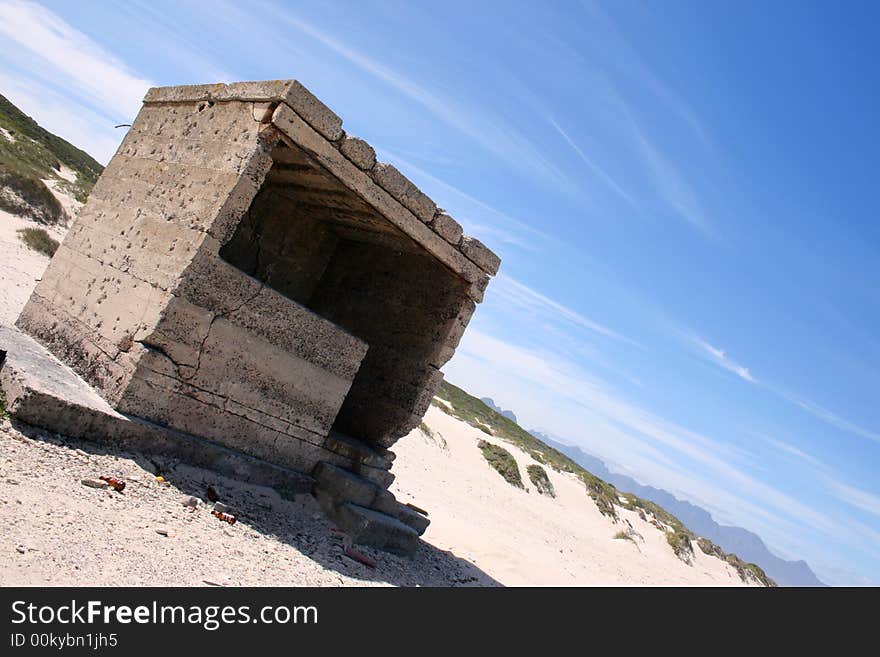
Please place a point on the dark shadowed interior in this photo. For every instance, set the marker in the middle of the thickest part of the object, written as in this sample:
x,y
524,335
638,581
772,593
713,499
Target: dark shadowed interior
x,y
313,240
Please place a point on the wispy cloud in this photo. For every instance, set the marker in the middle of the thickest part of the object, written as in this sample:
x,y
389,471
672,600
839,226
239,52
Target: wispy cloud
x,y
195,58
720,358
671,183
856,497
630,64
829,417
794,451
598,171
79,64
525,298
489,130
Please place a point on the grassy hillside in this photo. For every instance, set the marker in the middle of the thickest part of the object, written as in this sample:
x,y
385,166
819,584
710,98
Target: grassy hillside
x,y
28,155
471,410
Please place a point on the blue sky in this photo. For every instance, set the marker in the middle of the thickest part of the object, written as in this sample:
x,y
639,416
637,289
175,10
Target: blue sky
x,y
684,195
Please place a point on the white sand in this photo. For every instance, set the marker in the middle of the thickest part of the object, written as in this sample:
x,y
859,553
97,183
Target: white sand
x,y
58,532
68,174
20,267
524,538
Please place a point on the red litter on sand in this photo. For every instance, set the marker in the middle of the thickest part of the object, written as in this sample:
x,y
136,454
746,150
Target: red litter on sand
x,y
357,556
225,517
117,484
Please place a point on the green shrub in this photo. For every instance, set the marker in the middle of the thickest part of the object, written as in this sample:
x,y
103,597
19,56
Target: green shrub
x,y
38,240
540,480
502,461
748,571
708,547
433,436
680,542
27,195
604,494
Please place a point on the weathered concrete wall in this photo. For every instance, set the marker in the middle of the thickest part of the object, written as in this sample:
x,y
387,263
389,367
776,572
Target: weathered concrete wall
x,y
234,359
282,244
174,179
405,306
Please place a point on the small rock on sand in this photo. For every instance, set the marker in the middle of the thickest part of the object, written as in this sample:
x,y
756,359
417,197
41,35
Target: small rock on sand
x,y
94,483
192,502
162,532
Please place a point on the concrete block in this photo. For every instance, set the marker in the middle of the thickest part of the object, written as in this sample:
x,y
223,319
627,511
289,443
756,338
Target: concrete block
x,y
480,255
477,289
359,152
346,486
412,518
448,228
358,451
245,271
401,188
315,113
379,530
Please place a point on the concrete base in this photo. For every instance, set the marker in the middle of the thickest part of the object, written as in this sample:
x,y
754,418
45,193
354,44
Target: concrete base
x,y
43,392
366,511
370,527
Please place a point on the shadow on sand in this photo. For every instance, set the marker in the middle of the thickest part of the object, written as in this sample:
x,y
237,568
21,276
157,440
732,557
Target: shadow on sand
x,y
294,520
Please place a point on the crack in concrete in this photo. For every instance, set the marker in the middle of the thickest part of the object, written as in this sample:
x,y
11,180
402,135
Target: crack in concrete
x,y
221,315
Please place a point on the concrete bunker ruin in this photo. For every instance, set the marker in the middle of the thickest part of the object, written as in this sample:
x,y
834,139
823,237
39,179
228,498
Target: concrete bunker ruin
x,y
317,243
246,280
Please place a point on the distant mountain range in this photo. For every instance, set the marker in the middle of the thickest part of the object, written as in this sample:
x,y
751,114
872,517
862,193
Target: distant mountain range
x,y
747,545
491,404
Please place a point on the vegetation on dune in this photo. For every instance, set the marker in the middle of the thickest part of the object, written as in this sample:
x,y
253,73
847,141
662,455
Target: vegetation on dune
x,y
474,412
22,194
540,480
502,461
38,240
471,410
623,536
680,542
746,570
708,547
433,436
2,404
28,155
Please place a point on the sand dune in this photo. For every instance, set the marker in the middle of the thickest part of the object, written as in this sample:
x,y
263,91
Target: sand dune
x,y
522,538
